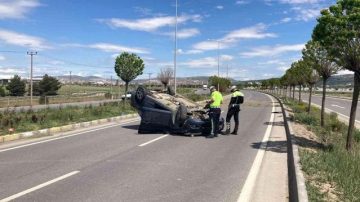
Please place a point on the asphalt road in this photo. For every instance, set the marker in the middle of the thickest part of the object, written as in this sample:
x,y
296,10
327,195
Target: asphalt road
x,y
338,105
117,164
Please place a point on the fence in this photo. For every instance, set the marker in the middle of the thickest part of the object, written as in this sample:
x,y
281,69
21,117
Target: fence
x,y
59,99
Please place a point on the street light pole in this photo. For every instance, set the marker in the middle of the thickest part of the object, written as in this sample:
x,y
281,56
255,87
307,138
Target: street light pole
x,y
175,51
31,53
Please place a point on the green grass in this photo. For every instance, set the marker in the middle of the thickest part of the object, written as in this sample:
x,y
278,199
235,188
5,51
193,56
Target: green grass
x,y
330,163
47,118
77,89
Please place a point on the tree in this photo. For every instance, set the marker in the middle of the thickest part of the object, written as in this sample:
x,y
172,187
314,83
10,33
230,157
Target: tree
x,y
321,61
165,75
128,67
48,85
2,92
16,86
311,78
299,75
224,83
338,31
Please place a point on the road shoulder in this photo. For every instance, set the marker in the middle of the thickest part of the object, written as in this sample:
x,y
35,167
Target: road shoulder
x,y
272,180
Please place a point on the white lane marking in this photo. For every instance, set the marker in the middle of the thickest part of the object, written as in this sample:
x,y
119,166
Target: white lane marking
x,y
151,141
38,187
338,106
247,189
330,110
63,137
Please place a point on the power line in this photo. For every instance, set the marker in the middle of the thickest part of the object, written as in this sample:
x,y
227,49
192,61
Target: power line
x,y
72,63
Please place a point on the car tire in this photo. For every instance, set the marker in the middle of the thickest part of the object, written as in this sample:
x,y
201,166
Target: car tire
x,y
181,115
140,94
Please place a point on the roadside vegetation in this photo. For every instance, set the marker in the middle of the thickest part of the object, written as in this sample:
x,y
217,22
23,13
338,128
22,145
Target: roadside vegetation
x,y
331,171
29,120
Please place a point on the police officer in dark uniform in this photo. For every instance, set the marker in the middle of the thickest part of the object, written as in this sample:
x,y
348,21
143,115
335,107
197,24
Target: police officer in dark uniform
x,y
237,98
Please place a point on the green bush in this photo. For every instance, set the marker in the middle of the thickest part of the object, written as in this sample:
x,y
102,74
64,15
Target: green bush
x,y
30,120
2,92
357,135
306,119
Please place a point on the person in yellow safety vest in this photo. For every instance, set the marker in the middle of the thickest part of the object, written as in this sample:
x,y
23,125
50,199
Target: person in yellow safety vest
x,y
237,98
215,111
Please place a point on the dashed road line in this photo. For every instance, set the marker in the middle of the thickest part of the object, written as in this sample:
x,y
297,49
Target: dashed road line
x,y
39,187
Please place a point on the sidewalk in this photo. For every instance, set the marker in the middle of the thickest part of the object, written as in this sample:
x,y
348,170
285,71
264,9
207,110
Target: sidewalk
x,y
272,181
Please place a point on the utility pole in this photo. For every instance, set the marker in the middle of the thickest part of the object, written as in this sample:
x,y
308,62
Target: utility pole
x,y
227,71
31,53
70,84
149,78
111,87
175,52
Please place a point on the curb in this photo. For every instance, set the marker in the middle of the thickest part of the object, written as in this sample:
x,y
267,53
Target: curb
x,y
300,179
297,185
66,128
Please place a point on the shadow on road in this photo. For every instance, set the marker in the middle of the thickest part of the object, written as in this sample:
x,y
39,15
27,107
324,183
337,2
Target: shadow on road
x,y
274,146
281,146
131,127
311,144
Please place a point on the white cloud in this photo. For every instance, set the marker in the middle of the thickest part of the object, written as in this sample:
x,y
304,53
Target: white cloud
x,y
16,9
226,57
149,24
285,20
189,52
283,68
9,72
219,7
106,47
306,14
184,33
241,2
304,10
19,39
254,32
112,48
207,62
272,62
271,51
2,57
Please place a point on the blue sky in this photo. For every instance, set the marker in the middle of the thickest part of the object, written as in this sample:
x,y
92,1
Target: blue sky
x,y
258,39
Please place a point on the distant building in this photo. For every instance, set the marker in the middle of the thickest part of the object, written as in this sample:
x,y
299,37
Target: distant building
x,y
4,81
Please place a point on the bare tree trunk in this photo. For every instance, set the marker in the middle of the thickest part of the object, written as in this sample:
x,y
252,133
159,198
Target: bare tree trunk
x,y
310,95
354,102
323,102
300,93
293,96
289,91
126,90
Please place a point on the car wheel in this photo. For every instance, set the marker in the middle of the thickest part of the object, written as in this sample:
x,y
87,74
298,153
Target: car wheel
x,y
140,94
181,114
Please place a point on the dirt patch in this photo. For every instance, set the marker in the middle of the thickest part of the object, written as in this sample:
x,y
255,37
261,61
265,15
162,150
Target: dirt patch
x,y
303,134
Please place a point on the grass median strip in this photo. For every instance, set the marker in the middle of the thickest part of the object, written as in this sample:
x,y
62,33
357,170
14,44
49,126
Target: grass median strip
x,y
332,173
15,122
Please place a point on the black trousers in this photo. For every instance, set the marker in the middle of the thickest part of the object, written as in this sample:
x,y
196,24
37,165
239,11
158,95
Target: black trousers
x,y
233,111
214,115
